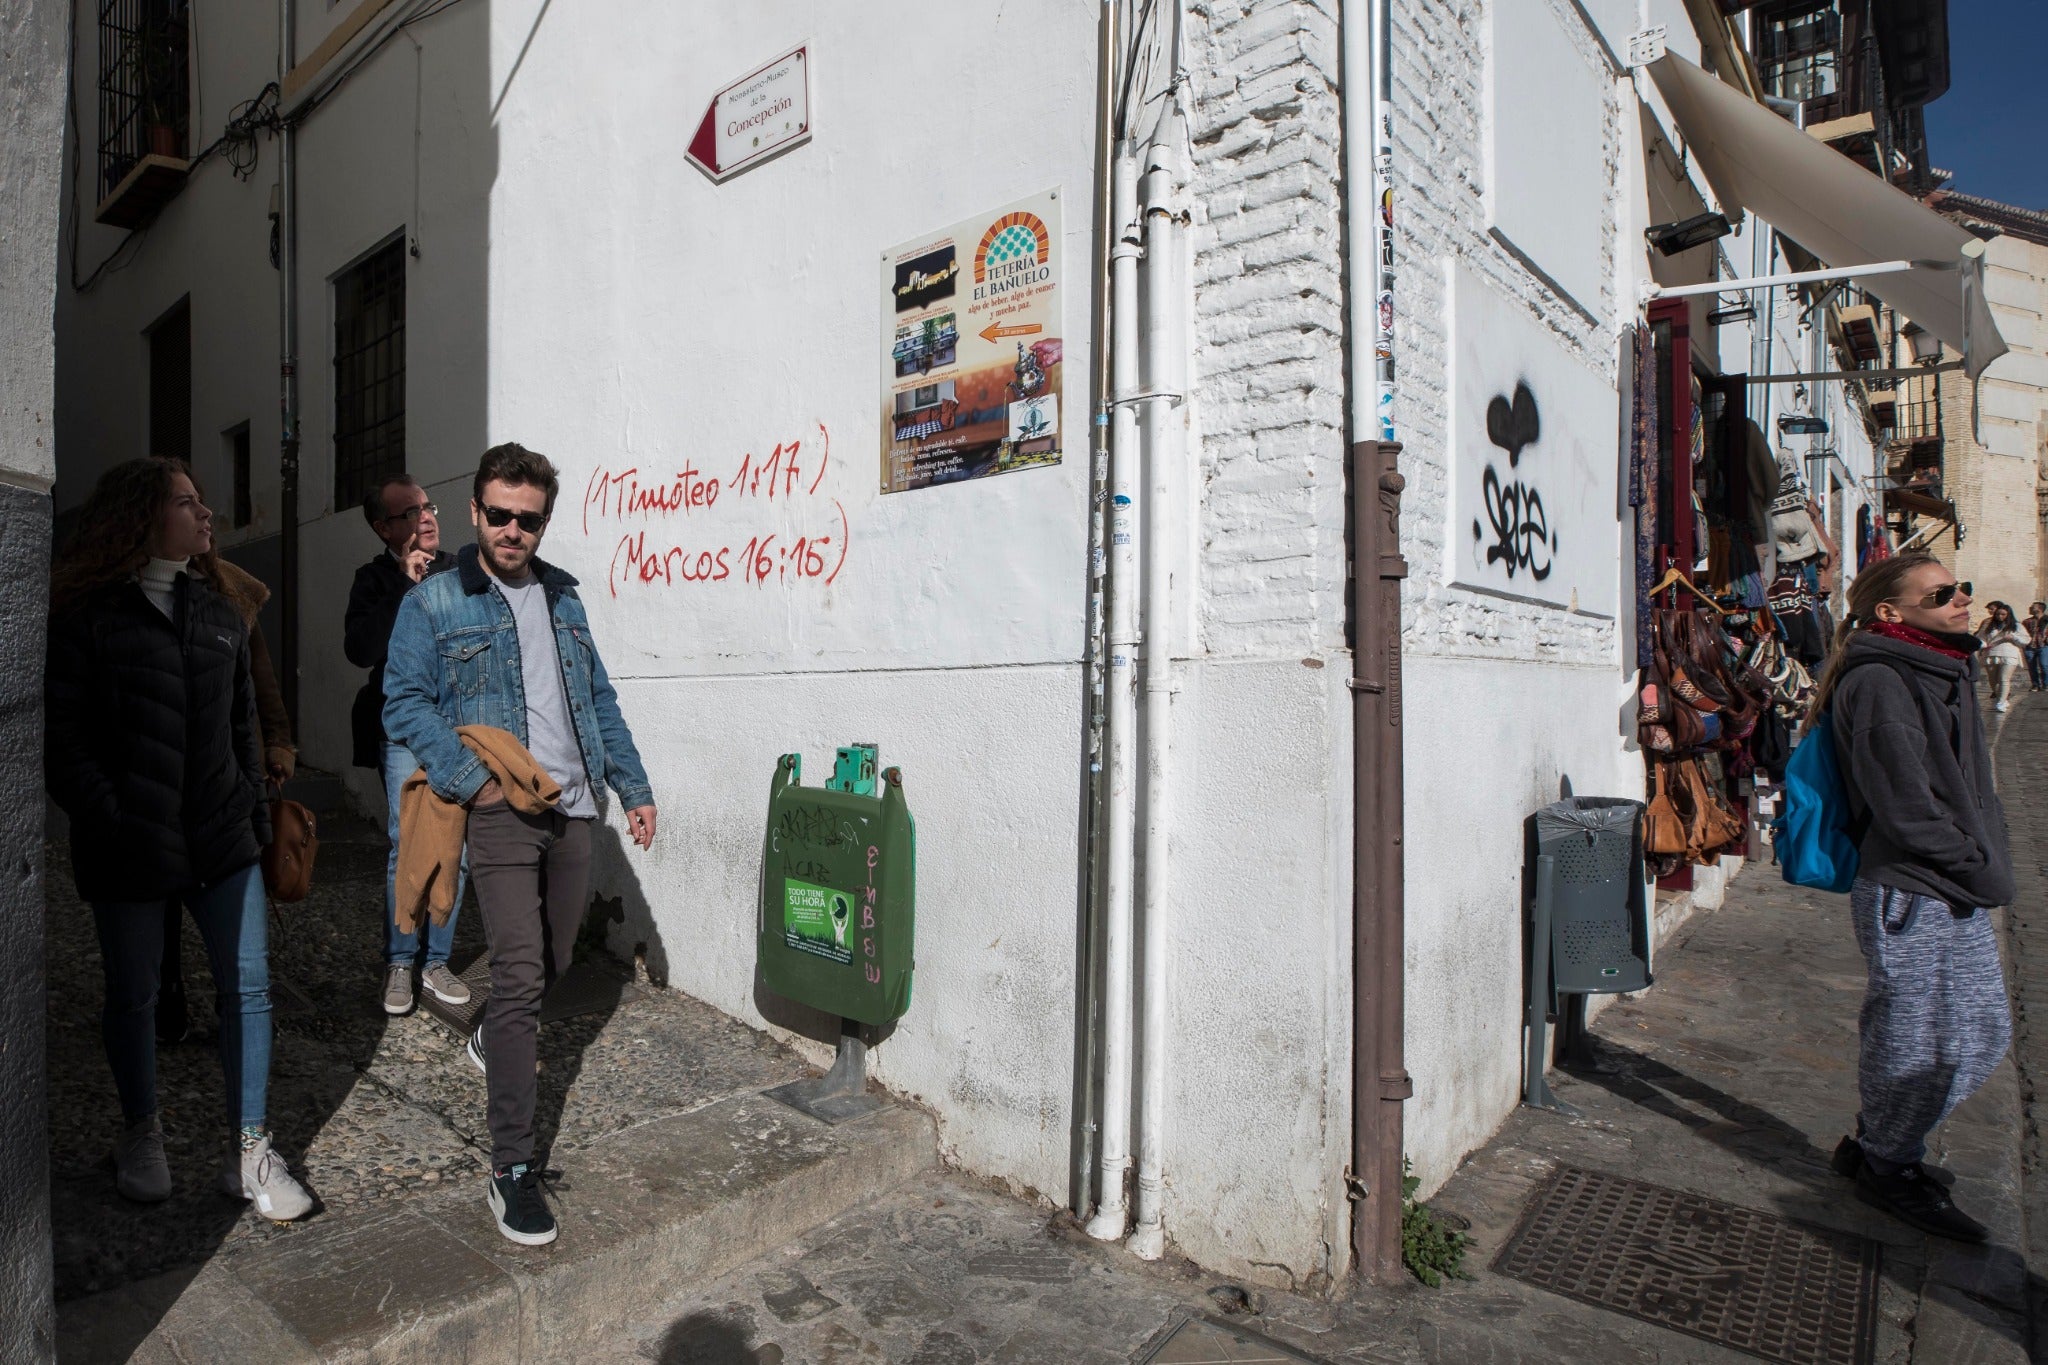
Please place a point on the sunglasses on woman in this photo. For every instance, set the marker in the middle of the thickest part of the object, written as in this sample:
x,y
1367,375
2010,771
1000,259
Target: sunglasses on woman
x,y
1940,597
530,522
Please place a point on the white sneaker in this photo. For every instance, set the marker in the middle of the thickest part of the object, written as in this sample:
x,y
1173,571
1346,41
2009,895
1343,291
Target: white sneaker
x,y
257,1174
2003,706
141,1172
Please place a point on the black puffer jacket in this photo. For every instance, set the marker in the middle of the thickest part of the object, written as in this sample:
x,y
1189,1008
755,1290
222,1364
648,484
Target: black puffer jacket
x,y
152,744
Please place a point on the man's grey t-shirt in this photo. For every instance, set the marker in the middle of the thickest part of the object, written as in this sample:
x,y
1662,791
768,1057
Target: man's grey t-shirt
x,y
550,733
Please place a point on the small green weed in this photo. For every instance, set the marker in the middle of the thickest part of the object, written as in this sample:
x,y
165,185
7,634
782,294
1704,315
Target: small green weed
x,y
1430,1247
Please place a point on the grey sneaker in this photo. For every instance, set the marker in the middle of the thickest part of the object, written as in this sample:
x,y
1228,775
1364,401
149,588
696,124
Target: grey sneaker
x,y
140,1171
258,1175
398,989
444,985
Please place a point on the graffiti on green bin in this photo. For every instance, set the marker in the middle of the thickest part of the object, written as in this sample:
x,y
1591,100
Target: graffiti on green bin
x,y
815,919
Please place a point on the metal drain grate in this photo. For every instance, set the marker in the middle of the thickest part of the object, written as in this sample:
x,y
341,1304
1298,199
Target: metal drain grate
x,y
1773,1288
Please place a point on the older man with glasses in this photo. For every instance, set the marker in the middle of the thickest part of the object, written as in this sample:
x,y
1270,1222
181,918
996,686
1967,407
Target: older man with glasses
x,y
403,517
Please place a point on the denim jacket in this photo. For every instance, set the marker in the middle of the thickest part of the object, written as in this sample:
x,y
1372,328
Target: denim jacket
x,y
454,660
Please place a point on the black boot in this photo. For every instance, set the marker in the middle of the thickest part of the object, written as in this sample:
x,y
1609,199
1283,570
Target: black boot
x,y
1909,1195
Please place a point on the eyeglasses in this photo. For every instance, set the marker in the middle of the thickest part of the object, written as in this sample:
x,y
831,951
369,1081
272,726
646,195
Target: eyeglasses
x,y
530,522
1946,593
413,513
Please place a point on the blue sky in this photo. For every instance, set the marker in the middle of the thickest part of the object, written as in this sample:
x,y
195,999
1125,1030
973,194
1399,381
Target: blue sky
x,y
1991,128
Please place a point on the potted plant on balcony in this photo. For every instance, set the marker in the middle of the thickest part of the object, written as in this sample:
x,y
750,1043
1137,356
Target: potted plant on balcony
x,y
152,66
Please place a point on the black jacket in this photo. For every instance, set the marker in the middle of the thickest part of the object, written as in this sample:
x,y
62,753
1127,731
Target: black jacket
x,y
152,745
365,635
1914,759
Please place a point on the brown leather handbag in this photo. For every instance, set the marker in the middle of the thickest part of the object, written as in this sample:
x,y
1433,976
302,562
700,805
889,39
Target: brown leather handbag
x,y
288,857
1664,827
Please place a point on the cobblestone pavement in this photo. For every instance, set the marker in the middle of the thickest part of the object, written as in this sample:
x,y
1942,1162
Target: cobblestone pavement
x,y
370,1110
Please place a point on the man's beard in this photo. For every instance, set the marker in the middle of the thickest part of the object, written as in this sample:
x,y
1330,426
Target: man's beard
x,y
509,560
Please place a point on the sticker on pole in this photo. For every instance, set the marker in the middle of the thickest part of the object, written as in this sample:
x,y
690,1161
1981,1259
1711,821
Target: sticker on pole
x,y
756,117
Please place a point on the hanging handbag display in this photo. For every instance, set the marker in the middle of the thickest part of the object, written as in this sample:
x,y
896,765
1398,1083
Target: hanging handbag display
x,y
288,857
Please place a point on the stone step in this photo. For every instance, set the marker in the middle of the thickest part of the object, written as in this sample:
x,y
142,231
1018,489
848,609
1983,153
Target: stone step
x,y
644,1213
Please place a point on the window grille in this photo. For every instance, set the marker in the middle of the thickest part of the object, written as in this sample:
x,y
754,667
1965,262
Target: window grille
x,y
369,373
144,97
1800,52
170,384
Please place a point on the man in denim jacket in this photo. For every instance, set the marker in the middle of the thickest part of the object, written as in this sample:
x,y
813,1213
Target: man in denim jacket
x,y
503,641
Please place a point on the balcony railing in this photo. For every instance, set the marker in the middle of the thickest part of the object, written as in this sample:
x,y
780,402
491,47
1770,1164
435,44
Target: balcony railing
x,y
144,105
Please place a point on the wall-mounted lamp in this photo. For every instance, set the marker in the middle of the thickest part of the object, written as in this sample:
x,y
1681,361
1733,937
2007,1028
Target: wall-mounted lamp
x,y
1926,345
1722,315
1672,238
1802,424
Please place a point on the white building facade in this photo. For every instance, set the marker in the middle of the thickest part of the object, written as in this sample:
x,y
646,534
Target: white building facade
x,y
493,207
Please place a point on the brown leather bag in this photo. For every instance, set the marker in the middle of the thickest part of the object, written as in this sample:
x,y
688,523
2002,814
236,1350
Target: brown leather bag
x,y
288,857
1663,826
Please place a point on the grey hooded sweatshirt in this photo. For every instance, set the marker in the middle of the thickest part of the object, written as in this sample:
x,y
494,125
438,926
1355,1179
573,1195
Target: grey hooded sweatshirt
x,y
1915,761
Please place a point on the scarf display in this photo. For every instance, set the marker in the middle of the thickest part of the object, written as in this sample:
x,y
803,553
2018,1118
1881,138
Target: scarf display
x,y
1642,487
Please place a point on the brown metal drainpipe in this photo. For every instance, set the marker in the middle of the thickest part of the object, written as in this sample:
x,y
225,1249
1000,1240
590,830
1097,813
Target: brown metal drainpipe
x,y
1379,1081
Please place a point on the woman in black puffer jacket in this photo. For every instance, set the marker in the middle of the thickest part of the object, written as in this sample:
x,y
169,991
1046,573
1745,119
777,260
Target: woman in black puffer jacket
x,y
153,749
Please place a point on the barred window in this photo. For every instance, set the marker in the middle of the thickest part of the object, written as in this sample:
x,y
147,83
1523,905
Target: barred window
x,y
144,102
369,373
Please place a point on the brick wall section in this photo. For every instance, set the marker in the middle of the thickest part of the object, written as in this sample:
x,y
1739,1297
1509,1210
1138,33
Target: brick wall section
x,y
1269,326
1995,498
1439,151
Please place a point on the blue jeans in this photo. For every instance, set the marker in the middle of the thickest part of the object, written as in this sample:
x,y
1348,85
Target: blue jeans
x,y
405,948
2037,667
231,915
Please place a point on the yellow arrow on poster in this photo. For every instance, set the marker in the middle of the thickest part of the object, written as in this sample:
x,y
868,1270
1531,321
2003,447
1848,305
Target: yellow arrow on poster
x,y
996,332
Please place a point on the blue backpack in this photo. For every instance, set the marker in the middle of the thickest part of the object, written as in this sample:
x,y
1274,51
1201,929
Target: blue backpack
x,y
1817,836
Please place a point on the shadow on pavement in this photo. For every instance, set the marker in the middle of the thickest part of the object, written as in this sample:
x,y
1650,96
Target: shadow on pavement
x,y
711,1339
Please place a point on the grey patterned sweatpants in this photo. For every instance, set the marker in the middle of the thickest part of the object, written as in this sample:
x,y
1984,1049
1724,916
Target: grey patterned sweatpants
x,y
1935,1017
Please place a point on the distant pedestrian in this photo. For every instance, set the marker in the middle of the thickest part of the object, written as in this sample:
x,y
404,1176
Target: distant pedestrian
x,y
1933,857
153,749
498,656
404,518
2004,652
2036,628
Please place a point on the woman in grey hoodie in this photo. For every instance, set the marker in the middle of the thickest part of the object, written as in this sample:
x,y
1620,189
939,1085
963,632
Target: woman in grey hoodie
x,y
1933,857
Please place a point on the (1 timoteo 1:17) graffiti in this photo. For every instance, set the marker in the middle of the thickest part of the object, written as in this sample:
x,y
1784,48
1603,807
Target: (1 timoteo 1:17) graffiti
x,y
1523,540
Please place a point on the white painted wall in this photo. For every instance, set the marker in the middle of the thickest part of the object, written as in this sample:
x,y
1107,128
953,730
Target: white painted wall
x,y
577,287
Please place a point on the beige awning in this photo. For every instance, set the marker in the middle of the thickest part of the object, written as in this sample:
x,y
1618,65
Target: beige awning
x,y
1834,208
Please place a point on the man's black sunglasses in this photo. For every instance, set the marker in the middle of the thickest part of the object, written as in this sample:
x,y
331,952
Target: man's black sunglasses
x,y
1946,593
530,522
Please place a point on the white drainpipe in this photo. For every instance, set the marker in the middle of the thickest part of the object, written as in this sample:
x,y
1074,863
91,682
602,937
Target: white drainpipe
x,y
1109,1221
1166,356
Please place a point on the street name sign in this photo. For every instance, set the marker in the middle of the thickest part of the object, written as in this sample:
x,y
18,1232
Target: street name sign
x,y
757,116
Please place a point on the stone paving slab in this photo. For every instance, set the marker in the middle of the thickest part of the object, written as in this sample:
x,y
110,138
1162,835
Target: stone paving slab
x,y
674,1201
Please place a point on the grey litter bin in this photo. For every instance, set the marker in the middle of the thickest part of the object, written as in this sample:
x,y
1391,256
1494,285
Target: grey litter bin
x,y
1591,908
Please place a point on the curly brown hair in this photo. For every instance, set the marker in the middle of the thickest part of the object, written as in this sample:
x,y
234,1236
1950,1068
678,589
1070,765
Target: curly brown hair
x,y
111,540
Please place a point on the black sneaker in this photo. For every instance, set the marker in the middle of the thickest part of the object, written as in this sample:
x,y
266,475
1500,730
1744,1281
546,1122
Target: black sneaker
x,y
173,1020
521,1208
1911,1196
474,1050
1848,1160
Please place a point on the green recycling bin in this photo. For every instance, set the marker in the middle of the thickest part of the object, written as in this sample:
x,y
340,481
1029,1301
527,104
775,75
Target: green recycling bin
x,y
839,890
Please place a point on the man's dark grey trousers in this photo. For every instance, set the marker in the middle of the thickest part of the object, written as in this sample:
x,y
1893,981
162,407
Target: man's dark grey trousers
x,y
532,879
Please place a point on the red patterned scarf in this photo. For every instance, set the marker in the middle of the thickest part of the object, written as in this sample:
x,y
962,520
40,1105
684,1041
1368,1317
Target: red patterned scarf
x,y
1949,645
